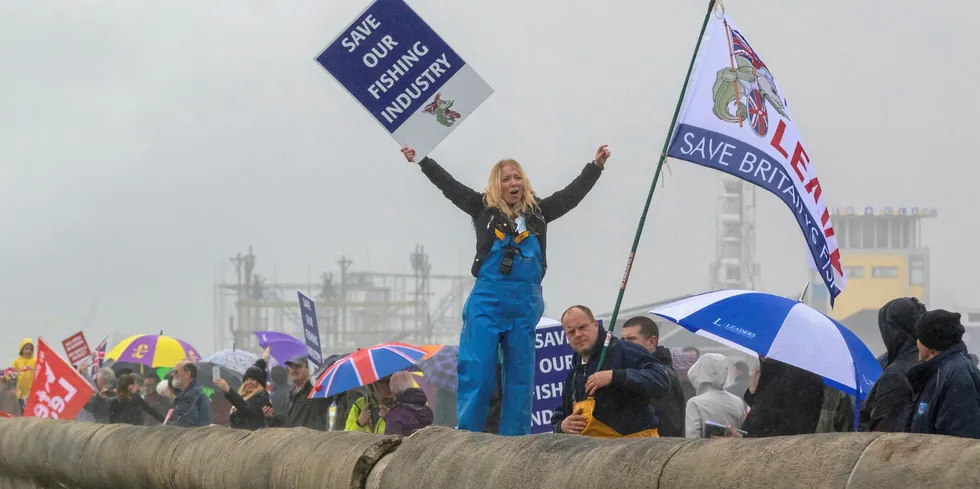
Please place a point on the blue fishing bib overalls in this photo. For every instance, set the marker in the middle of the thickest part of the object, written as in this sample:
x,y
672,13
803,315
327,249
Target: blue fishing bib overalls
x,y
502,310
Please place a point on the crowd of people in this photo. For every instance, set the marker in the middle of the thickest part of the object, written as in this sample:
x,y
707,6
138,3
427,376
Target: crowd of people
x,y
629,386
618,387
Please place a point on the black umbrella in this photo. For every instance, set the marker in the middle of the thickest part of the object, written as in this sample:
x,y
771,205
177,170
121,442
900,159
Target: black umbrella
x,y
205,375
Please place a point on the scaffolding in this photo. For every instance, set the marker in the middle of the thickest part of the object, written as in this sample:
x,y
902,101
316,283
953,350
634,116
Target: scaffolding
x,y
735,266
354,308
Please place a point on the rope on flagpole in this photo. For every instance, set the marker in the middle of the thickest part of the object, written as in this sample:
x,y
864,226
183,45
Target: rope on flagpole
x,y
656,175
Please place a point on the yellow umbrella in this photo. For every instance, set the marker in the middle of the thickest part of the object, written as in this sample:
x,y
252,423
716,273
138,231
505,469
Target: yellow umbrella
x,y
153,351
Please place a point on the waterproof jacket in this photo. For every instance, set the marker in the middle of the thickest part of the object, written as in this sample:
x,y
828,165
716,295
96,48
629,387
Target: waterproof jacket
x,y
24,367
671,409
886,407
355,412
946,395
131,411
192,408
712,403
409,414
787,402
488,221
623,405
301,411
248,412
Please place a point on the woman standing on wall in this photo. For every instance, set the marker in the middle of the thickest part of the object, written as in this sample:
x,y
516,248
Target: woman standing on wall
x,y
505,305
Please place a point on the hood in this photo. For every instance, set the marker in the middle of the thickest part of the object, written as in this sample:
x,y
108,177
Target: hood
x,y
896,321
711,370
26,341
413,397
662,354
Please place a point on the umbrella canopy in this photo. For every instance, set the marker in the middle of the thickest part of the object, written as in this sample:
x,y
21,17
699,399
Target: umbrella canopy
x,y
237,360
782,329
153,351
365,366
440,369
282,346
205,375
137,368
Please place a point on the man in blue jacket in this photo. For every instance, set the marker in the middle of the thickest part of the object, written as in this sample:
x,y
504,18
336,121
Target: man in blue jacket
x,y
191,405
607,394
946,385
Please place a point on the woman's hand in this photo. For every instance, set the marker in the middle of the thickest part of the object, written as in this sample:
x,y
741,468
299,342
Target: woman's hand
x,y
409,154
601,155
222,385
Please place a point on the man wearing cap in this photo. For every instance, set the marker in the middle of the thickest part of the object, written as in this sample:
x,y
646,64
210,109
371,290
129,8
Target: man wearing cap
x,y
299,409
946,385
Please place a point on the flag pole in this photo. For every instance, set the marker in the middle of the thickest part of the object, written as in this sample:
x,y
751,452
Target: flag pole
x,y
660,164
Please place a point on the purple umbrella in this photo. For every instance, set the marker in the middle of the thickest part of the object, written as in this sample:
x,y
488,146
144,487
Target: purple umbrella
x,y
282,346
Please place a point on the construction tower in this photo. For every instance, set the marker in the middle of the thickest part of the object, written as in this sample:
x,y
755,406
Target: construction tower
x,y
734,266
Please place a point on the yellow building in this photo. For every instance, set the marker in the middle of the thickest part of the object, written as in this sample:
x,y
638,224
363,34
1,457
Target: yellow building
x,y
883,258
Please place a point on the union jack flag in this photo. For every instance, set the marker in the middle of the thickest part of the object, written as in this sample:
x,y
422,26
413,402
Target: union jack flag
x,y
741,47
98,357
758,115
431,108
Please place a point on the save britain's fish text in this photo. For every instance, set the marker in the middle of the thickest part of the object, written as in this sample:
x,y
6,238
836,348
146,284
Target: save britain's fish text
x,y
754,165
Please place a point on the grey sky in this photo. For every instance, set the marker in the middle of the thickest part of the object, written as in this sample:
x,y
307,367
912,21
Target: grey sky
x,y
144,143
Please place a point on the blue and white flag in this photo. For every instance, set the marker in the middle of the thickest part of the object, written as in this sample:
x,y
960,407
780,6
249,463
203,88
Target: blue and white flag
x,y
736,119
404,74
311,330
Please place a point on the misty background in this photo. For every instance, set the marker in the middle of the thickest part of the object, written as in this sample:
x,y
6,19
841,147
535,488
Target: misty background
x,y
142,144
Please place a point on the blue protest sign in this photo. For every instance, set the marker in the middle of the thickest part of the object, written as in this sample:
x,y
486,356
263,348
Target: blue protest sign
x,y
311,330
553,357
404,75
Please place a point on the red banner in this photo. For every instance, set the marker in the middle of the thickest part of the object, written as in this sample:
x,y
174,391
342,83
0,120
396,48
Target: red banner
x,y
58,390
77,348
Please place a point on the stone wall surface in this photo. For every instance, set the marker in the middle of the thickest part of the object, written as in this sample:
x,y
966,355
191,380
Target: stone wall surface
x,y
48,454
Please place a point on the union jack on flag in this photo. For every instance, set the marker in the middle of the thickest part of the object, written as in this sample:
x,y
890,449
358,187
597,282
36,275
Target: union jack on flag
x,y
98,357
758,115
741,47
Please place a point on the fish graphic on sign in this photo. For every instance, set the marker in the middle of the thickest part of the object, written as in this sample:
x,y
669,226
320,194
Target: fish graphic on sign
x,y
746,86
442,109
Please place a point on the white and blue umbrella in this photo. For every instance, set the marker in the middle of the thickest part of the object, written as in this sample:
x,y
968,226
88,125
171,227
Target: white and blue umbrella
x,y
782,329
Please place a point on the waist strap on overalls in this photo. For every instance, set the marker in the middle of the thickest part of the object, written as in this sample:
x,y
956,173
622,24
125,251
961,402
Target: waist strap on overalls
x,y
593,427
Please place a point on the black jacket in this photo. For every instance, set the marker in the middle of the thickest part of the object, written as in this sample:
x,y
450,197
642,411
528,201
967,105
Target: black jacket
x,y
787,402
623,405
99,407
192,408
248,413
488,220
131,411
670,408
301,411
887,406
946,395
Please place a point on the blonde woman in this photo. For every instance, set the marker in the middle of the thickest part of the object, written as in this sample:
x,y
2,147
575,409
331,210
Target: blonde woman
x,y
247,403
511,225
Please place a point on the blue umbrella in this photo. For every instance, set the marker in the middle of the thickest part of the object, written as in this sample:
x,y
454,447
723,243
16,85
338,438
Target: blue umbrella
x,y
782,329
